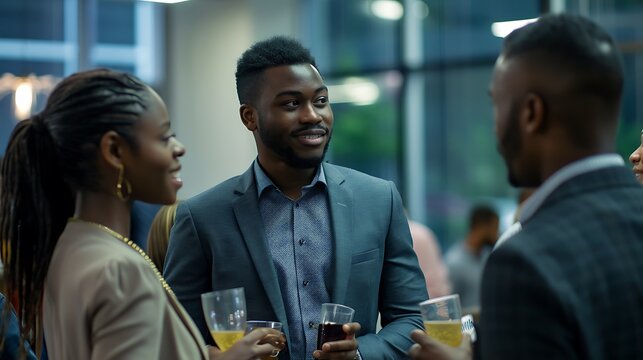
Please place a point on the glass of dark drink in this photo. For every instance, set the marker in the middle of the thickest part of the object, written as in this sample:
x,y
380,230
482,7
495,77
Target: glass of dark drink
x,y
333,316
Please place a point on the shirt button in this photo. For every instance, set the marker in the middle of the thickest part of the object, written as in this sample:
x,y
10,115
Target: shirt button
x,y
301,242
305,282
296,204
311,325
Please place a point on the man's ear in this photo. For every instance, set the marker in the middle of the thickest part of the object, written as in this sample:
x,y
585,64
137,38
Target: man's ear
x,y
533,113
112,148
248,116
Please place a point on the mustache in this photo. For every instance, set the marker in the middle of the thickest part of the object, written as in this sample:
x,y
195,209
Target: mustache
x,y
308,128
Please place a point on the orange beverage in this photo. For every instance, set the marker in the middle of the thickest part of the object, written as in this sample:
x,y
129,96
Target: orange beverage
x,y
446,332
225,339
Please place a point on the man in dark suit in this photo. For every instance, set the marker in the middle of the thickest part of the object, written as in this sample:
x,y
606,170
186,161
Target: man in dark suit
x,y
569,284
296,232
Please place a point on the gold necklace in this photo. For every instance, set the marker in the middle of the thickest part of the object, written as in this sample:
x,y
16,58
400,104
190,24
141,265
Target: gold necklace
x,y
133,246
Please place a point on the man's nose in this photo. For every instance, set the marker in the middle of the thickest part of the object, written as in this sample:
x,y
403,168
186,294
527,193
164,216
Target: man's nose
x,y
310,114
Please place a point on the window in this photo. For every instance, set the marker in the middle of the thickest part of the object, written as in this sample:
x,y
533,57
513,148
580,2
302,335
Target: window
x,y
42,37
433,132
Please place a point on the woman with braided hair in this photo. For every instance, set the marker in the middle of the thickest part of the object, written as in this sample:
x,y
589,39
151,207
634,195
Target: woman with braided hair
x,y
69,177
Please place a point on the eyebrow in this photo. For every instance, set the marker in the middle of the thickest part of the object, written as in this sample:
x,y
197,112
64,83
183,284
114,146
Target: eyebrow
x,y
295,93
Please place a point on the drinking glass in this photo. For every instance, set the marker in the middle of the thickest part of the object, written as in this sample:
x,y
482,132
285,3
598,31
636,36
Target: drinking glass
x,y
333,316
225,314
442,319
254,324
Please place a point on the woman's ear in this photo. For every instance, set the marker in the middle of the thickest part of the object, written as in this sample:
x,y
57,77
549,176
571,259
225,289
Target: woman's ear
x,y
248,116
112,148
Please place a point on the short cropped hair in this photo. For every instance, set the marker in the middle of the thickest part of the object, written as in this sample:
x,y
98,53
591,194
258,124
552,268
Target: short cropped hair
x,y
482,215
576,46
276,51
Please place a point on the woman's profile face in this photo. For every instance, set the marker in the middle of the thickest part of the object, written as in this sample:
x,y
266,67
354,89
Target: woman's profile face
x,y
153,170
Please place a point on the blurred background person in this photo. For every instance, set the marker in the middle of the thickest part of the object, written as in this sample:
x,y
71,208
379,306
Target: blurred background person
x,y
429,255
159,234
466,259
636,160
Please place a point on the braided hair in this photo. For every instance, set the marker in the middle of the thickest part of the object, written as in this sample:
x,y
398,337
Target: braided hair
x,y
49,157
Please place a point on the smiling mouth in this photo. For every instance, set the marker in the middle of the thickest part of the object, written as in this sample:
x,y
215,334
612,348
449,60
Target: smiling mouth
x,y
311,137
310,130
311,140
176,174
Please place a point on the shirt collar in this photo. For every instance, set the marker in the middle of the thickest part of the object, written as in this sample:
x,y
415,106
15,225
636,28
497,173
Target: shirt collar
x,y
264,182
565,173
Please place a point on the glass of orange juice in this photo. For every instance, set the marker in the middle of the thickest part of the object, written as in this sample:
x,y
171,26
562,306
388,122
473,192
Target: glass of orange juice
x,y
225,314
442,319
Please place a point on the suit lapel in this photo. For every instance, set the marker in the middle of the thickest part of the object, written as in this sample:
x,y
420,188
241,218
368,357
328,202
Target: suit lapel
x,y
246,211
340,199
189,324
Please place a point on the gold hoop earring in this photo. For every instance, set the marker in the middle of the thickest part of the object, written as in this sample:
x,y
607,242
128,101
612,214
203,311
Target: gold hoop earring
x,y
123,183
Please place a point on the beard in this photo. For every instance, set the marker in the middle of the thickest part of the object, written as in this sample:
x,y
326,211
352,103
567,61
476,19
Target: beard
x,y
510,144
288,154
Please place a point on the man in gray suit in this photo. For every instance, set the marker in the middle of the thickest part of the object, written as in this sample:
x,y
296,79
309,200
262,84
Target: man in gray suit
x,y
569,284
296,232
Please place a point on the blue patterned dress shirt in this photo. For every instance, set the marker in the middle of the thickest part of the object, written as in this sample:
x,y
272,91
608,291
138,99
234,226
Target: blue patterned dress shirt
x,y
298,232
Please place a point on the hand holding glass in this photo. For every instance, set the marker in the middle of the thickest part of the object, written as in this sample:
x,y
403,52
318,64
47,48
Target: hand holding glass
x,y
274,340
442,319
225,314
333,317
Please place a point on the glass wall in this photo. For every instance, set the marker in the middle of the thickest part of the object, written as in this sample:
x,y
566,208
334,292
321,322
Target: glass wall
x,y
366,133
49,39
433,135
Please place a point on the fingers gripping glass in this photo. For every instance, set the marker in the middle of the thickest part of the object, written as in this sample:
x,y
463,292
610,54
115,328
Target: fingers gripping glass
x,y
274,340
333,317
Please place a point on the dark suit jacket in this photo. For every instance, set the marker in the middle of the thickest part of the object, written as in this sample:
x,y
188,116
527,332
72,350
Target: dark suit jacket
x,y
570,284
218,242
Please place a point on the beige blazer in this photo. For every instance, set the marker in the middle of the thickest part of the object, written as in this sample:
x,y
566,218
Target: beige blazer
x,y
102,300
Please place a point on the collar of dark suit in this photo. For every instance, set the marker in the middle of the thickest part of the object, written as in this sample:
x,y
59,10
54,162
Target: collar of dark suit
x,y
561,181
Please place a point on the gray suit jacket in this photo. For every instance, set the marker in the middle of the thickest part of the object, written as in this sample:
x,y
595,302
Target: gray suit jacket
x,y
570,284
218,242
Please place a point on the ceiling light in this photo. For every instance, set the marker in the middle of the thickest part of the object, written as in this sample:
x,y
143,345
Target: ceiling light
x,y
165,1
355,91
387,9
25,90
23,99
504,28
